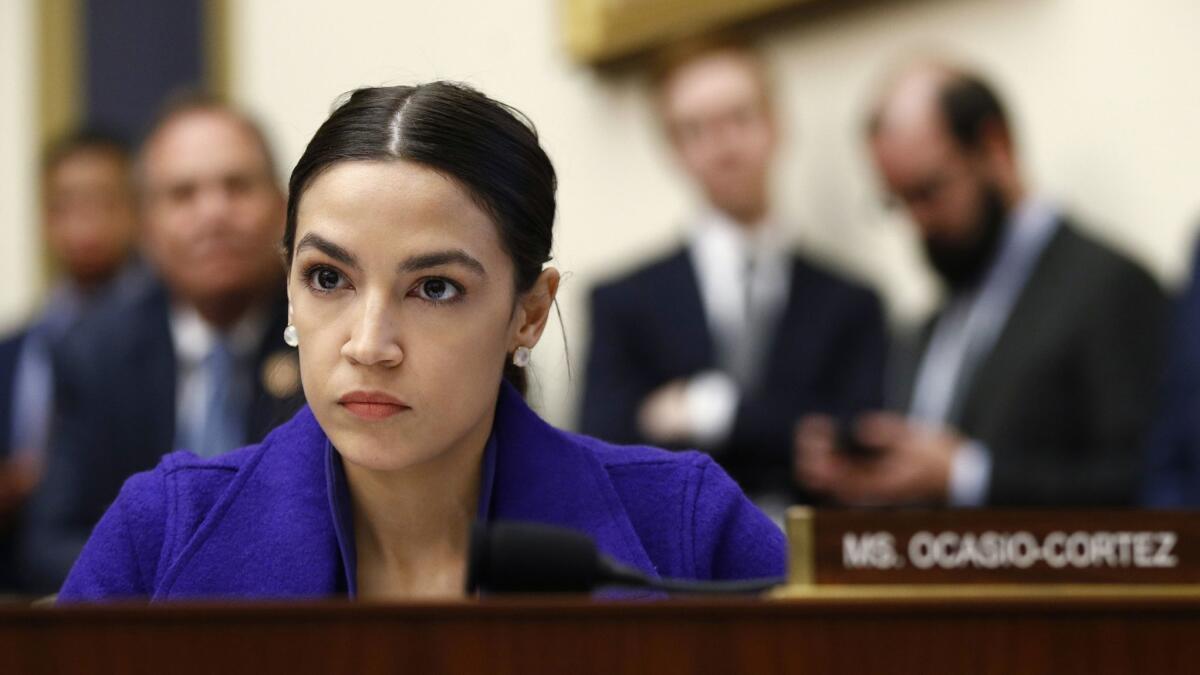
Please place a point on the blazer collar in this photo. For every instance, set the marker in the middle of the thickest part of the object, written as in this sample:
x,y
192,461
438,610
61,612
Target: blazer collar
x,y
546,475
272,531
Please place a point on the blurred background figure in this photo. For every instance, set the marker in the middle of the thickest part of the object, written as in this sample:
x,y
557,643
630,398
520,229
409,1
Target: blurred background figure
x,y
1034,383
1173,452
195,359
727,340
90,228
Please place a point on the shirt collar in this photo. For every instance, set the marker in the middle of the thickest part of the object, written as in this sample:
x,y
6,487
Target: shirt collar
x,y
343,514
63,305
715,230
194,337
1028,229
1032,222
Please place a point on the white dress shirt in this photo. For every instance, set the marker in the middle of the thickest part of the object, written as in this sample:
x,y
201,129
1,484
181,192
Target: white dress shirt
x,y
743,276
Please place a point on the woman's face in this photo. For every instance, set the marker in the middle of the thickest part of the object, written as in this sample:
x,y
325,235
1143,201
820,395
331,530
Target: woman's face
x,y
404,303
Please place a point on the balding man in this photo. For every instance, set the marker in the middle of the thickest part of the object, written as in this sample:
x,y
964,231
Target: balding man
x,y
1035,381
727,341
197,360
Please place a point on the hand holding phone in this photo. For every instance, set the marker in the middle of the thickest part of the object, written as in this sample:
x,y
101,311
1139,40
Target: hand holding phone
x,y
850,446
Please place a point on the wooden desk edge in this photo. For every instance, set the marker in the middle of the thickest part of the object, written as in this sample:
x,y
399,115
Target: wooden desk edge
x,y
783,601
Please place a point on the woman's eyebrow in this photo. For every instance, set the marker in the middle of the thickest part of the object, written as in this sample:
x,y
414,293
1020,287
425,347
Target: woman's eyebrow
x,y
424,261
327,247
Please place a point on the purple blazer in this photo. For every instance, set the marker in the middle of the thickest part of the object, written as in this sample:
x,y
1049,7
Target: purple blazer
x,y
266,521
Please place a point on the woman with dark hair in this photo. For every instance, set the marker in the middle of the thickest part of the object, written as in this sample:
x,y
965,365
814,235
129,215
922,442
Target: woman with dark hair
x,y
419,223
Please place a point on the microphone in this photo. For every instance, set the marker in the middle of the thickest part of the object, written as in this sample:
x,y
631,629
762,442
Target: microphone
x,y
517,557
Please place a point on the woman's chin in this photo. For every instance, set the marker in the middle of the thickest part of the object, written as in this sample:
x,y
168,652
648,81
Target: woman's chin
x,y
375,447
376,457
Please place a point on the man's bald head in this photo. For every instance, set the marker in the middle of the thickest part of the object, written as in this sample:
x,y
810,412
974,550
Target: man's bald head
x,y
190,103
212,208
932,95
942,143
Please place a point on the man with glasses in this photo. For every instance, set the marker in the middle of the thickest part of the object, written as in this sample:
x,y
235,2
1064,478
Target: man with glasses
x,y
1035,381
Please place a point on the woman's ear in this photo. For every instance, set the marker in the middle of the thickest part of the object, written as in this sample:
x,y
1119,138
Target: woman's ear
x,y
533,309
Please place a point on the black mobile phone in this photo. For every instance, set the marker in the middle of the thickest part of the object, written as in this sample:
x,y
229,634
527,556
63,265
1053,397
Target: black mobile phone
x,y
848,444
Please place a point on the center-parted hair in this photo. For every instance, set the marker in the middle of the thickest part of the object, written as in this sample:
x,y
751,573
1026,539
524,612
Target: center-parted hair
x,y
490,149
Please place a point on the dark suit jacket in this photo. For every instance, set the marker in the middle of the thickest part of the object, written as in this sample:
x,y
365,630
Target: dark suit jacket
x,y
115,415
10,352
1064,398
1173,453
649,328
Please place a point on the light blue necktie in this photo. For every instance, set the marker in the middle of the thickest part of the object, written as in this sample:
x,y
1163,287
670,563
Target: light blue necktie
x,y
223,426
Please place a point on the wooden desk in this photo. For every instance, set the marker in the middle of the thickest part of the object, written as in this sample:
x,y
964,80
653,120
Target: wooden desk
x,y
892,631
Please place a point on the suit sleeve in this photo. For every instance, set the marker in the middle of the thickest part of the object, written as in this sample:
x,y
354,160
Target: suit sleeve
x,y
851,381
120,558
614,385
10,355
732,538
1172,477
62,511
1118,371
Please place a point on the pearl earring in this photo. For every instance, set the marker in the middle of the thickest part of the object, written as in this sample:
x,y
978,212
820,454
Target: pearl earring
x,y
291,337
521,357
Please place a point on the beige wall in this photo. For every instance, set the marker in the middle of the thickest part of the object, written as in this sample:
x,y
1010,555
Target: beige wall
x,y
1104,92
18,165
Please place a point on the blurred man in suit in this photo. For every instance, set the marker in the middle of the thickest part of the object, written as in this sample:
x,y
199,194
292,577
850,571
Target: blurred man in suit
x,y
726,341
1173,455
194,361
89,226
1035,381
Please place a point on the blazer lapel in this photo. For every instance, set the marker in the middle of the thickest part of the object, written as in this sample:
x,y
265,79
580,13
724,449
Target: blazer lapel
x,y
1024,324
151,365
545,475
908,353
277,394
270,534
687,336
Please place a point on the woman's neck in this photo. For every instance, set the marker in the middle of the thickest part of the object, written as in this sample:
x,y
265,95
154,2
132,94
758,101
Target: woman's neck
x,y
411,527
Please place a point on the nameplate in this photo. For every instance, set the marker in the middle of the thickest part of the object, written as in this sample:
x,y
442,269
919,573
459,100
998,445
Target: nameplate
x,y
999,547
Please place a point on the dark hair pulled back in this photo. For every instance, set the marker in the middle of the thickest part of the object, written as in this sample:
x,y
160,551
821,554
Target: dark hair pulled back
x,y
487,147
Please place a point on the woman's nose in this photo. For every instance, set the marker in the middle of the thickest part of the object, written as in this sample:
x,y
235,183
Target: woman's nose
x,y
375,338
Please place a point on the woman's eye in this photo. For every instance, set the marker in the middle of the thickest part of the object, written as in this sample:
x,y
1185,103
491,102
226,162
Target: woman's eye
x,y
325,279
437,290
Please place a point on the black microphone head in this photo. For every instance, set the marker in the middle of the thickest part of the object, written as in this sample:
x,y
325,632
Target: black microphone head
x,y
514,557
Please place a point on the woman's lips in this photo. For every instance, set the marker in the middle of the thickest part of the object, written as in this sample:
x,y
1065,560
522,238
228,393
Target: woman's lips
x,y
371,405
